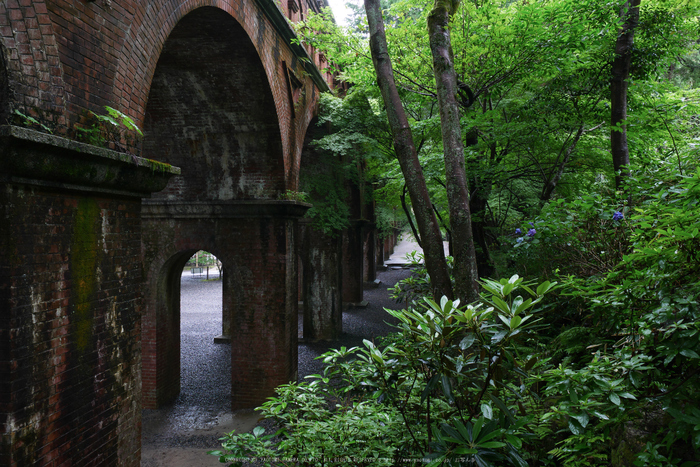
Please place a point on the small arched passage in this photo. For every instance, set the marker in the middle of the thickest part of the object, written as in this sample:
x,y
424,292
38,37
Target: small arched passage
x,y
166,347
211,112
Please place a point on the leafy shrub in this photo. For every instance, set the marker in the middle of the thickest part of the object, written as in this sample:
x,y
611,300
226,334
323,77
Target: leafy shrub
x,y
444,389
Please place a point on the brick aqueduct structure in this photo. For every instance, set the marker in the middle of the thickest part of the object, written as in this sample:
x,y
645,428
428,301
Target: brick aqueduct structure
x,y
93,240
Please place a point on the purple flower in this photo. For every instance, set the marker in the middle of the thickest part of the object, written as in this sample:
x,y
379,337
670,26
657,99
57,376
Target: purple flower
x,y
518,231
519,240
618,216
531,223
531,232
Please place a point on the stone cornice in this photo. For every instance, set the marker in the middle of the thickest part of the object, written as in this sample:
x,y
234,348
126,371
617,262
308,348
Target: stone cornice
x,y
34,158
235,209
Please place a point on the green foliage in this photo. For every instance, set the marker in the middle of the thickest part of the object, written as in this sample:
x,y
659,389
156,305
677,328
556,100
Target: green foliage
x,y
291,195
31,122
611,377
349,144
115,130
444,389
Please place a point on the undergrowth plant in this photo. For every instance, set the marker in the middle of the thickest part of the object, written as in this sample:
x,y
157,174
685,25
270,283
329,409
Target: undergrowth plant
x,y
448,388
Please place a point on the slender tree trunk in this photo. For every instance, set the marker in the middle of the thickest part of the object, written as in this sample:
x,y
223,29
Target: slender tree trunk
x,y
478,203
558,172
618,90
433,250
409,216
465,268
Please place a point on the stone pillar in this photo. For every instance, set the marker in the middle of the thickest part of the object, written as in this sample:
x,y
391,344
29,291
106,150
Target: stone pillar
x,y
322,285
70,297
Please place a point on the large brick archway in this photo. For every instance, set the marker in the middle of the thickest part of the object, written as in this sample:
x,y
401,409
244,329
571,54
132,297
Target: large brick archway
x,y
212,112
87,259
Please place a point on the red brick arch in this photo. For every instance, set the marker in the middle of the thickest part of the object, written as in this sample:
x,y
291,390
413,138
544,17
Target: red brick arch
x,y
153,24
160,345
78,232
66,58
212,112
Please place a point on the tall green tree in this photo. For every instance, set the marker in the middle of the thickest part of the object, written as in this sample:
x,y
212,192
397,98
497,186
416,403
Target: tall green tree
x,y
620,72
533,86
406,153
465,270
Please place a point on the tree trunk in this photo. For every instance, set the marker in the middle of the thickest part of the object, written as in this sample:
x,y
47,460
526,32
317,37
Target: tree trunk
x,y
433,250
465,268
618,91
558,171
478,206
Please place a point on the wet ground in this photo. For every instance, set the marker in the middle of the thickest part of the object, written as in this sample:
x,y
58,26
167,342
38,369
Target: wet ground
x,y
181,434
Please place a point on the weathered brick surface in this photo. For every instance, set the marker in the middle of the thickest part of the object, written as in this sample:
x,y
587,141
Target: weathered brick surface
x,y
212,113
70,301
322,284
65,58
233,114
70,328
258,252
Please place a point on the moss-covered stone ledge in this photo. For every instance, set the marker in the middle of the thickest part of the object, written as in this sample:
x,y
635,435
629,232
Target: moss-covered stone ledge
x,y
159,209
31,157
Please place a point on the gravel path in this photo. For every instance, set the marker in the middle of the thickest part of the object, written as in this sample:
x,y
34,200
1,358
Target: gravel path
x,y
181,434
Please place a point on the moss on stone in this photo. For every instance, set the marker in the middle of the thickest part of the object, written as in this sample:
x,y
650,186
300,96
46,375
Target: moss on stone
x,y
83,270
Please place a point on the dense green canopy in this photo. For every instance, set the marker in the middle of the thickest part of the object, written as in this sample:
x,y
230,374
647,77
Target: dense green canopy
x,y
587,352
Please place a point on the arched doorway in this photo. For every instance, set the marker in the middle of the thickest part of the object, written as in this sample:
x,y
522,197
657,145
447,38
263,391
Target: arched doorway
x,y
205,358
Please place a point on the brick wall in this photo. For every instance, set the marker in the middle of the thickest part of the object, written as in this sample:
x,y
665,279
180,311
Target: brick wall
x,y
70,297
70,242
211,112
65,58
73,327
255,241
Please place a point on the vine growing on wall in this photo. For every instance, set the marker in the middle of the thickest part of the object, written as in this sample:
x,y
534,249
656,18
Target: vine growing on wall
x,y
347,148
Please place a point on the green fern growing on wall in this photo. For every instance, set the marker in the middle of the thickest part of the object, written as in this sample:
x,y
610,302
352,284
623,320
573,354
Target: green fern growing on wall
x,y
113,130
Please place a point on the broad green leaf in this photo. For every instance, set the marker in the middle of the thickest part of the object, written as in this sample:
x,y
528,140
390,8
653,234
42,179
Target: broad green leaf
x,y
575,427
582,419
467,341
614,398
689,353
487,411
514,440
